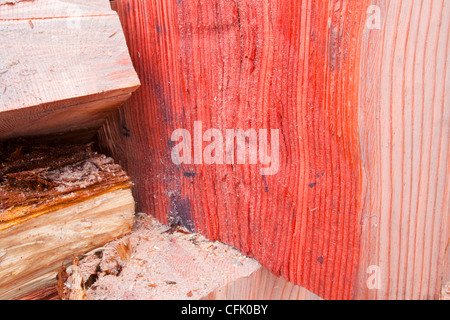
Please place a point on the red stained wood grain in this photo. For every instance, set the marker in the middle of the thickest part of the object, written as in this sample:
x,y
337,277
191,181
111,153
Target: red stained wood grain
x,y
287,65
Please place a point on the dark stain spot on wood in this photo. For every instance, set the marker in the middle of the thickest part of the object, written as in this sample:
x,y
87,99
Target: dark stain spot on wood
x,y
320,174
333,47
125,131
180,213
320,260
266,187
189,174
312,185
157,28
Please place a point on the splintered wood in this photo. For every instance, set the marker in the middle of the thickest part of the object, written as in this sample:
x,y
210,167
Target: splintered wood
x,y
56,202
160,262
37,180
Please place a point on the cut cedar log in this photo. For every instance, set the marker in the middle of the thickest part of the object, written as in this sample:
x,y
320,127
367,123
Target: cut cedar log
x,y
64,67
283,65
56,202
359,93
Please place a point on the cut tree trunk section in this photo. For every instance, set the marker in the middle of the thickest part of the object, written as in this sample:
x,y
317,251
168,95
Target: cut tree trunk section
x,y
284,65
359,93
65,66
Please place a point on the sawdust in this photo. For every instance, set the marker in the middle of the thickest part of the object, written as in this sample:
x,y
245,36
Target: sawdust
x,y
163,263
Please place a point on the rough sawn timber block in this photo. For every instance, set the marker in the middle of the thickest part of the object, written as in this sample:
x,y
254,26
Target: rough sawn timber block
x,y
286,65
363,115
64,67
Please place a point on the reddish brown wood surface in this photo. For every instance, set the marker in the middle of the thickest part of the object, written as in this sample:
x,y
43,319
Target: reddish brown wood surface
x,y
287,65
